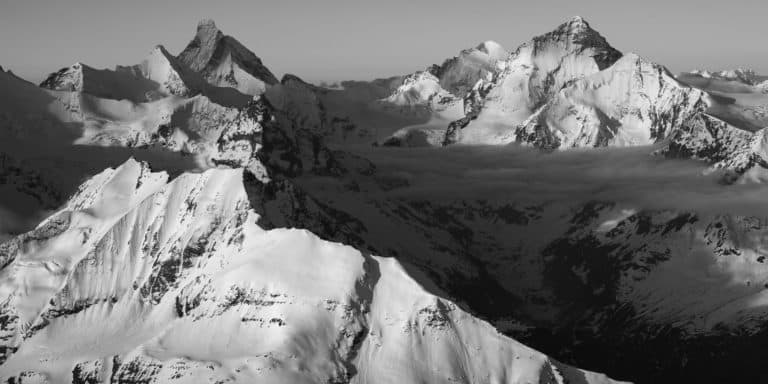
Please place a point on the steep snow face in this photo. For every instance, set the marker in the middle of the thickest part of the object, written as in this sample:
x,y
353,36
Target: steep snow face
x,y
110,288
634,102
535,72
224,62
173,78
459,74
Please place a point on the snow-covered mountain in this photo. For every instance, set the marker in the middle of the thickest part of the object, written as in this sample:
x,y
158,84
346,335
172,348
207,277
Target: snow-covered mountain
x,y
225,62
111,287
633,102
159,75
436,93
533,73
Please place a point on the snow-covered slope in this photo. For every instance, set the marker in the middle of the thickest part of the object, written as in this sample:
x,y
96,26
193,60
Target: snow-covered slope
x,y
454,78
138,279
459,74
120,84
173,78
159,75
421,95
633,102
532,74
225,62
436,94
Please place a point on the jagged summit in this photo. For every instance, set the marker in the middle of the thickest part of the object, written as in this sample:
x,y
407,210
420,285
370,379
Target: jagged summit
x,y
201,49
207,26
576,35
577,23
224,61
574,26
65,79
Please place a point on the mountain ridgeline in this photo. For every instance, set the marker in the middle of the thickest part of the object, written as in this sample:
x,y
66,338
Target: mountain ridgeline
x,y
192,218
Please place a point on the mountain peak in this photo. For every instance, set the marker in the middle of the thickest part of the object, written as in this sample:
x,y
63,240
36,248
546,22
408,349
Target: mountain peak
x,y
577,22
207,26
576,36
223,61
576,29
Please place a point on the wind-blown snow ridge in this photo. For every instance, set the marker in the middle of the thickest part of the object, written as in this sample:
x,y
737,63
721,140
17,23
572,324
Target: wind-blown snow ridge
x,y
110,288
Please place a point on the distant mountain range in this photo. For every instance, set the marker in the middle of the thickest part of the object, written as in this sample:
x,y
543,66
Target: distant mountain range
x,y
194,219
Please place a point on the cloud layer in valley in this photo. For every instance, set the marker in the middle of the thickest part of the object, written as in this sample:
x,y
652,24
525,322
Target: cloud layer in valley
x,y
628,176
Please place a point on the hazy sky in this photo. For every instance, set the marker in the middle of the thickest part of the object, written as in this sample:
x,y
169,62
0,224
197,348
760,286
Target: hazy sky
x,y
360,39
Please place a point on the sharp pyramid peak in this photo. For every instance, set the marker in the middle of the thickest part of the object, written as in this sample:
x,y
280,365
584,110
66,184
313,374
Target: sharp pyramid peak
x,y
207,25
575,35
